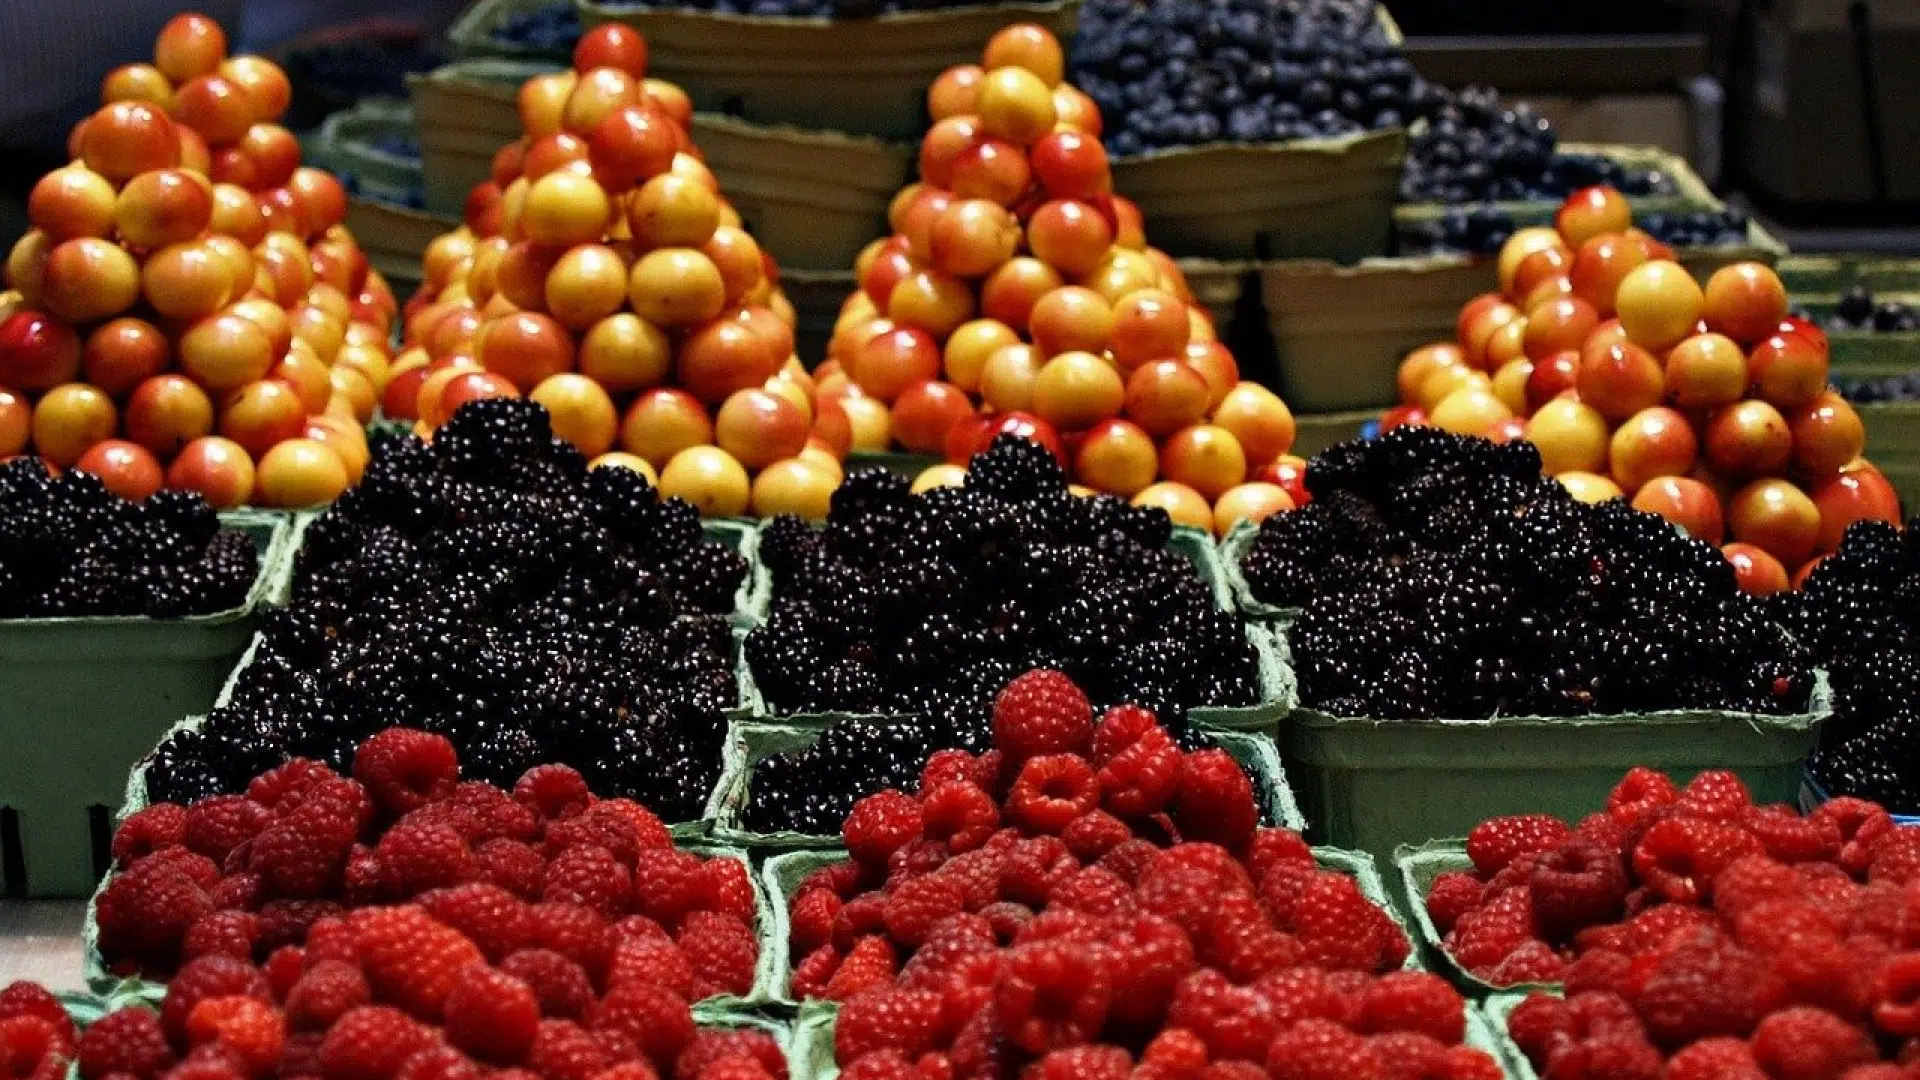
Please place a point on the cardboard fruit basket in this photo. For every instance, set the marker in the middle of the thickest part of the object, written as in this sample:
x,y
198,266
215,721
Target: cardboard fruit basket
x,y
863,76
1831,275
466,112
86,697
1415,866
812,199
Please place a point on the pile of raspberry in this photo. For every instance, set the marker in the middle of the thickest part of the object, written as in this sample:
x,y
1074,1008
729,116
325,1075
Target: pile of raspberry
x,y
548,869
1087,902
1547,903
409,992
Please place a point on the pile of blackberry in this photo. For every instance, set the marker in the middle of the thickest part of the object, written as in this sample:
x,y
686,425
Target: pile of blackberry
x,y
1859,612
1474,147
69,547
1443,576
1192,72
929,604
1482,228
802,9
812,789
491,589
1859,311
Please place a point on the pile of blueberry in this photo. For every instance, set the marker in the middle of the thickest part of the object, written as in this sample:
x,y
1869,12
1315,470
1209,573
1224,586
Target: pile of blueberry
x,y
1481,229
553,28
1859,612
1443,576
491,589
1858,311
802,9
70,547
929,604
1902,387
1474,147
1190,72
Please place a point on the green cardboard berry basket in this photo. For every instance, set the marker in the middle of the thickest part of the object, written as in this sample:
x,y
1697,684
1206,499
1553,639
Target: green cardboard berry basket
x,y
383,212
750,743
1415,868
1863,354
1375,784
1689,192
85,697
466,111
1832,274
1499,1008
1893,444
1233,550
471,35
782,874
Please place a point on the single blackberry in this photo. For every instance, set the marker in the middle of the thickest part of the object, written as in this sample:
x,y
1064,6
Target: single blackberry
x,y
1016,470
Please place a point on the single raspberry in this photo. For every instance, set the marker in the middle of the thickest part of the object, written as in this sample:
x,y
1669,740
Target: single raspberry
x,y
1896,996
371,1043
1706,987
591,877
145,912
492,1015
886,1018
404,769
494,813
1803,1043
811,974
1721,1058
657,1020
810,919
1315,1049
1144,777
727,887
494,919
1411,1056
1539,1024
736,1067
1861,824
1494,843
211,1062
1642,787
208,977
917,904
332,939
440,1063
1033,867
563,1050
1715,795
1090,836
1243,945
417,857
1183,895
1051,791
1470,1063
880,825
365,881
31,999
303,853
1233,1070
656,961
1896,855
881,1065
1216,803
1091,1062
1484,936
864,914
949,766
1452,894
1041,712
871,963
33,1048
1273,846
1755,879
1148,957
723,952
1534,962
1119,728
1679,858
559,985
1574,886
288,922
252,1029
555,792
1413,1001
960,813
667,884
1605,1057
600,825
410,958
1174,1054
1790,838
1599,970
576,933
280,789
1052,994
236,892
223,933
1095,891
918,857
1233,1021
713,1044
325,993
513,866
127,1041
1341,928
160,825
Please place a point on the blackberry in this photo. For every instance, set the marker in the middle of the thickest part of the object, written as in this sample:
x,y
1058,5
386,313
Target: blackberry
x,y
811,789
1016,470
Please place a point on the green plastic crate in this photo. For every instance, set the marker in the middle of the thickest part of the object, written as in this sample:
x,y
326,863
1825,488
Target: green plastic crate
x,y
782,874
1832,274
1415,867
1376,784
86,697
750,743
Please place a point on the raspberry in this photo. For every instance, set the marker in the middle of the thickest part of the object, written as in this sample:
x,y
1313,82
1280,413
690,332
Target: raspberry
x,y
1090,836
208,977
371,1043
1411,1056
492,1015
1720,1058
722,950
1216,802
236,892
1642,787
1574,886
1131,859
1413,1001
324,994
288,922
1715,795
1514,875
145,912
555,792
727,888
881,1065
332,939
303,853
1316,1049
224,933
917,858
1452,894
657,1020
1119,728
416,857
1341,928
1233,1070
1272,847
1789,837
591,877
1148,956
960,813
871,963
864,914
1803,1043
810,919
439,1063
252,1029
494,814
513,866
1896,856
1233,1021
601,825
1498,841
666,885
712,1044
1091,1062
364,882
410,959
1051,791
1183,895
1753,880
1144,777
158,826
1052,994
880,825
1041,712
736,1067
494,919
917,904
656,962
1094,891
810,975
1532,962
1033,868
576,933
950,766
1678,858
1007,920
404,769
1705,987
125,1041
1174,1054
1605,1057
563,1050
886,1018
1861,823
1484,936
1598,970
1539,1024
